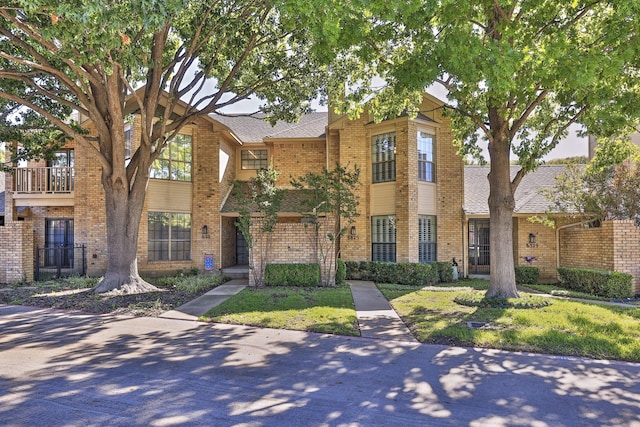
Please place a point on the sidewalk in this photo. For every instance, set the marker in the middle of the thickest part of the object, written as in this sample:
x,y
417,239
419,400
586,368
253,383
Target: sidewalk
x,y
376,318
199,306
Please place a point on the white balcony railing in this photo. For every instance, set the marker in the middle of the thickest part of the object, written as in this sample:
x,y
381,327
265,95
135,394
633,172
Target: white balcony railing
x,y
44,180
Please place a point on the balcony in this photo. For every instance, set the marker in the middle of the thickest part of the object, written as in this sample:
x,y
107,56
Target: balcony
x,y
43,186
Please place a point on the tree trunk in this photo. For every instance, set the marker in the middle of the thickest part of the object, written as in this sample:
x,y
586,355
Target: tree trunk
x,y
123,214
501,206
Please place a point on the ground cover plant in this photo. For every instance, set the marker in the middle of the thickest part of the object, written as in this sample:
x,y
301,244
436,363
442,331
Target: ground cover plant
x,y
74,293
322,309
564,327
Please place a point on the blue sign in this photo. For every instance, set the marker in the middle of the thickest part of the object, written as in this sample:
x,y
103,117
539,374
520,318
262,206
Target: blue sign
x,y
208,262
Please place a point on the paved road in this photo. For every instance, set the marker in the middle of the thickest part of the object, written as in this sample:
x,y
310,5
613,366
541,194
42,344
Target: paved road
x,y
60,368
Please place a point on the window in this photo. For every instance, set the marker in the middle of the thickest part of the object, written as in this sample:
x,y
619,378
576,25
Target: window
x,y
426,162
427,238
174,162
253,159
383,157
127,142
169,236
383,238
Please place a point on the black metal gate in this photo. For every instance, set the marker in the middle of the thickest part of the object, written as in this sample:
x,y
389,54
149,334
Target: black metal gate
x,y
479,259
60,261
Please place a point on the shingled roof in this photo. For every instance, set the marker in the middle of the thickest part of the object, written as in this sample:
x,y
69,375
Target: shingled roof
x,y
256,129
528,197
291,202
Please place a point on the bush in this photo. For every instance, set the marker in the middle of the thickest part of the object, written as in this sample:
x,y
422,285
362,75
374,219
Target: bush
x,y
526,274
403,273
445,271
341,271
603,283
292,275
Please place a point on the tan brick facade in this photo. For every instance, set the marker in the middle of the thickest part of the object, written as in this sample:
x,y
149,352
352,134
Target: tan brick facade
x,y
16,252
216,164
541,252
595,248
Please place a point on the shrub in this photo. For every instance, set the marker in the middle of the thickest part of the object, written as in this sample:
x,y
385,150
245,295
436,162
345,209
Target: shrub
x,y
403,273
292,275
526,274
604,283
445,271
341,271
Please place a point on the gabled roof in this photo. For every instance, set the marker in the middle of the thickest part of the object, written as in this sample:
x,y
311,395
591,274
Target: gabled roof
x,y
256,129
528,197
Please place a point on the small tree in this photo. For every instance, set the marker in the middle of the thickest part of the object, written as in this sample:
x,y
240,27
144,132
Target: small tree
x,y
331,205
260,204
606,189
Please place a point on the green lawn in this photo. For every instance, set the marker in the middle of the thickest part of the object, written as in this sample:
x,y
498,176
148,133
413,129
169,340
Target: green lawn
x,y
324,310
565,327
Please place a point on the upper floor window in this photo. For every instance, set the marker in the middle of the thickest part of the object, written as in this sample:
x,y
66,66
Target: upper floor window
x,y
383,157
174,162
254,159
426,159
128,144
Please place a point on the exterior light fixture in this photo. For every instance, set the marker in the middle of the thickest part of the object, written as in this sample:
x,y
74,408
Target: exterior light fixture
x,y
532,238
353,230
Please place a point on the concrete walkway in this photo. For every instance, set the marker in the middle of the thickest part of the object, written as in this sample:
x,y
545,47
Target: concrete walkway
x,y
376,318
199,306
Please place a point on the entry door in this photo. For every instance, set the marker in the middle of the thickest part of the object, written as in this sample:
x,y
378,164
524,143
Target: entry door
x,y
58,242
479,246
242,252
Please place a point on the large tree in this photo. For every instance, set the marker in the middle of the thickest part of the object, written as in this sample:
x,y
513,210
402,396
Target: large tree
x,y
517,74
191,57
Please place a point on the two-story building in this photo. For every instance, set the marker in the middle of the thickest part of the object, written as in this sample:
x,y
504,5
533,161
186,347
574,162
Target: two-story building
x,y
410,208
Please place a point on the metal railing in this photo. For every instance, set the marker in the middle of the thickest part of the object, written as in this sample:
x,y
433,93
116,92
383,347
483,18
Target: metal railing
x,y
58,179
60,261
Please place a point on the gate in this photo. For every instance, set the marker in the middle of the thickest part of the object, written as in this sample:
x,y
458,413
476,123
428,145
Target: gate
x,y
479,260
60,261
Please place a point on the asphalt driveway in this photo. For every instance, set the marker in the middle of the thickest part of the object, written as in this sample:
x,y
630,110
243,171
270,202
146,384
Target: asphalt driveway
x,y
60,368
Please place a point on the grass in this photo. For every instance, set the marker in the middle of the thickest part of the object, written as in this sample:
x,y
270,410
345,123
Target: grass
x,y
557,290
565,327
324,310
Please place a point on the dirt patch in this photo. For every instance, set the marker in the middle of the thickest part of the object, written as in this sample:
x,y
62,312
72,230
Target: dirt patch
x,y
150,304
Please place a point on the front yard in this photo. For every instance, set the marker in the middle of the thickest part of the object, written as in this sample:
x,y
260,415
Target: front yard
x,y
584,329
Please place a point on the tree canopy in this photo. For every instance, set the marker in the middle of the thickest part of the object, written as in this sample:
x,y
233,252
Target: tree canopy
x,y
173,60
517,73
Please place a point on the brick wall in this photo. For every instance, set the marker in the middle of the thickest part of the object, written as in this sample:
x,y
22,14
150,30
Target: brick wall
x,y
613,246
16,252
350,142
294,158
542,253
291,242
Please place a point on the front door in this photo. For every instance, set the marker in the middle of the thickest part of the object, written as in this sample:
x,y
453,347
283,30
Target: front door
x,y
58,241
242,251
479,246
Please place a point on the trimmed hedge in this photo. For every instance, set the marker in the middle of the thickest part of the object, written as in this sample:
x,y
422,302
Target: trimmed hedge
x,y
445,271
402,273
603,283
341,272
527,275
292,275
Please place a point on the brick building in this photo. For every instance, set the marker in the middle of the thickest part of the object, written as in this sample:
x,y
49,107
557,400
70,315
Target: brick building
x,y
410,198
